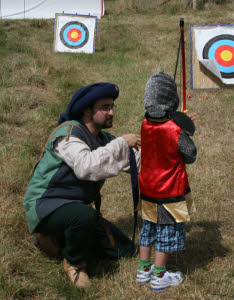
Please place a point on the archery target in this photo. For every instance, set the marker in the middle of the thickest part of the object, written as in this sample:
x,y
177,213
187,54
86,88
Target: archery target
x,y
221,49
75,33
215,50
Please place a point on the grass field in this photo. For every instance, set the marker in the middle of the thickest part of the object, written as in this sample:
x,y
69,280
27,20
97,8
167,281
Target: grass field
x,y
135,39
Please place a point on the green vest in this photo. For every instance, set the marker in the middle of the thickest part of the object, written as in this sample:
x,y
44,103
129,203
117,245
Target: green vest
x,y
54,183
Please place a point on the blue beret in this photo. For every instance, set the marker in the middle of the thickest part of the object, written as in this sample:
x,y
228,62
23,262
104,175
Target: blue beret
x,y
86,97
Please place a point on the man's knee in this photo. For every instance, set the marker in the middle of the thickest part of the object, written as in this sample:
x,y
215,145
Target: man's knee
x,y
45,244
84,216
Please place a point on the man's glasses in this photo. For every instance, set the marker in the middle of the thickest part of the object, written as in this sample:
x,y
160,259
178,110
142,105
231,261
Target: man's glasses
x,y
106,107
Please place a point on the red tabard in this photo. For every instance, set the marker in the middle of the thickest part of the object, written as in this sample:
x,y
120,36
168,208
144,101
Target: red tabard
x,y
163,173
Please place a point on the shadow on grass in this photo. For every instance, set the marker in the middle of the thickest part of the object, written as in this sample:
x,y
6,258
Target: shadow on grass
x,y
101,49
203,244
96,267
126,224
99,268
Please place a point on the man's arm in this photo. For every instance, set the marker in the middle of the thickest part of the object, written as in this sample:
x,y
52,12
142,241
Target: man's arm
x,y
104,162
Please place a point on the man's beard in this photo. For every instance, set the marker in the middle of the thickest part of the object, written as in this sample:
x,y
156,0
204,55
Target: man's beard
x,y
107,123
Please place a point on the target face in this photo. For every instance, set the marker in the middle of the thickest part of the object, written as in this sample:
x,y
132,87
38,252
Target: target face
x,y
221,49
74,35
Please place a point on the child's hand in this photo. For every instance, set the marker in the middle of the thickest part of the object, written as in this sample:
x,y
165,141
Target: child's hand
x,y
193,116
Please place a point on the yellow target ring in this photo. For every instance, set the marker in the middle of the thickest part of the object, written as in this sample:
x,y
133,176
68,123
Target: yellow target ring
x,y
74,34
226,55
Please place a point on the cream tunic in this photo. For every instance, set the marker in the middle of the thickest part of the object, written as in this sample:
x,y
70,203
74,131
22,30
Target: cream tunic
x,y
104,162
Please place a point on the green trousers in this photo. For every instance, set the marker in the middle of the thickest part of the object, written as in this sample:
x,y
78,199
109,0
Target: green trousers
x,y
78,233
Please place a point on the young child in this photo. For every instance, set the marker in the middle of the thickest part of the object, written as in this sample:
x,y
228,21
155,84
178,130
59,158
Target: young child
x,y
165,203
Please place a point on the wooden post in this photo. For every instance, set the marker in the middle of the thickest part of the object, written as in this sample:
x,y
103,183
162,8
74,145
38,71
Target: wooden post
x,y
194,4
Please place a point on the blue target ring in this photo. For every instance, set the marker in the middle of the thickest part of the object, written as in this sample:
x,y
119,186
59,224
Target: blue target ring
x,y
74,43
66,40
210,51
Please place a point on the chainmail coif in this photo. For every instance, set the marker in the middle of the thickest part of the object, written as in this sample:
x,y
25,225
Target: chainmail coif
x,y
161,98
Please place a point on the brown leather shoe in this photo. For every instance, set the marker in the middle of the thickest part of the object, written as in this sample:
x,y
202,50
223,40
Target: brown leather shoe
x,y
45,244
76,274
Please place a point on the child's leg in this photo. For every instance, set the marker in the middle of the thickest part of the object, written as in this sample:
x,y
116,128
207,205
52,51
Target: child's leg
x,y
147,238
160,258
160,261
145,252
170,238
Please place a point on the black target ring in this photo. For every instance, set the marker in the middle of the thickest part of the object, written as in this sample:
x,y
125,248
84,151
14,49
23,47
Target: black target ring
x,y
78,27
212,46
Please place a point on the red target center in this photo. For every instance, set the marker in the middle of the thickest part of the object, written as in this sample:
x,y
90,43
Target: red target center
x,y
224,55
74,35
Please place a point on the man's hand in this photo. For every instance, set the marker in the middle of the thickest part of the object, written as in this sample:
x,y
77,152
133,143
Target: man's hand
x,y
133,140
193,116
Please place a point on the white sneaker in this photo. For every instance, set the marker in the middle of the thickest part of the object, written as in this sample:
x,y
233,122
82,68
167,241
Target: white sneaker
x,y
168,279
144,277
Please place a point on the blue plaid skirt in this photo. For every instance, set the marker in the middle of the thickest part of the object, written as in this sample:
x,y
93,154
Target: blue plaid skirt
x,y
165,237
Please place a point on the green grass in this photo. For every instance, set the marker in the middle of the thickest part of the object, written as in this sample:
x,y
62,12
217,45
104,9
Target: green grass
x,y
135,39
